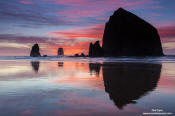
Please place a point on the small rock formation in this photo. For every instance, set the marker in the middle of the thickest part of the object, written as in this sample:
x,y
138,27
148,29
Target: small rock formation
x,y
44,55
76,55
60,51
81,55
95,50
35,51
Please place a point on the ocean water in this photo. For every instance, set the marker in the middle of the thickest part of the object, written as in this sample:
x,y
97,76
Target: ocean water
x,y
69,86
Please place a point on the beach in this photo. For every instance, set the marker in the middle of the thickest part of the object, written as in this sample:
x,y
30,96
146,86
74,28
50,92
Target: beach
x,y
69,86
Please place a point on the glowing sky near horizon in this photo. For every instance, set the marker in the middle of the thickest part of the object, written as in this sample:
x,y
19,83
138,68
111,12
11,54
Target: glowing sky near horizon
x,y
73,24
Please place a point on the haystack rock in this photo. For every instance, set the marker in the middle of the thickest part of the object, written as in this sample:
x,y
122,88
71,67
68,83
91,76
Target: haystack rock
x,y
60,51
95,50
35,51
126,34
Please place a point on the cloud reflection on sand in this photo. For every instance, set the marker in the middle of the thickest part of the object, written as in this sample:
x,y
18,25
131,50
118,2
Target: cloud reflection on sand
x,y
77,88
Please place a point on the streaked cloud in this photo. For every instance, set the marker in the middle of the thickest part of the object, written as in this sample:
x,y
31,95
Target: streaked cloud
x,y
169,45
86,33
13,45
72,24
93,8
167,31
21,45
30,15
26,2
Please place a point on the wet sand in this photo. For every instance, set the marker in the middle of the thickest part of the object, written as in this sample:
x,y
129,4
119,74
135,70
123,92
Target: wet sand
x,y
52,88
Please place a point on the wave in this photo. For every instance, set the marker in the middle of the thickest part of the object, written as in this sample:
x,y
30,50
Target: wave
x,y
167,59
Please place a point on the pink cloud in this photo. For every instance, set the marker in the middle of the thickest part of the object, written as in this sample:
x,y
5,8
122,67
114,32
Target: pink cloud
x,y
89,3
76,13
27,112
93,32
26,2
82,37
87,8
167,35
78,2
167,31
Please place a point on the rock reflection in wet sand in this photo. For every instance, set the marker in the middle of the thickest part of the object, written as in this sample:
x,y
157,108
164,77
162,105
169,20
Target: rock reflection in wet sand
x,y
127,82
35,65
73,88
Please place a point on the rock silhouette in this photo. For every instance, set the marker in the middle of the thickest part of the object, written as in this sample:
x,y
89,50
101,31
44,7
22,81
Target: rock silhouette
x,y
95,50
126,34
35,51
127,82
76,55
80,55
60,51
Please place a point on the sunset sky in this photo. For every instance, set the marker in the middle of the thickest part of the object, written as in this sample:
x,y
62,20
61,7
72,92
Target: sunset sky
x,y
73,24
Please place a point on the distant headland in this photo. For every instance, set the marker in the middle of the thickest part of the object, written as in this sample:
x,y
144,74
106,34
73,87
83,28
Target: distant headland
x,y
125,34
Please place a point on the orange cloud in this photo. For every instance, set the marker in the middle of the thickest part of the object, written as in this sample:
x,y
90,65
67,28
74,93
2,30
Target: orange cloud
x,y
78,47
81,38
91,32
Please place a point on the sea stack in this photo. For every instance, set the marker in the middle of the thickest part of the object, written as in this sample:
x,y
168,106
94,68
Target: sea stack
x,y
126,34
60,52
95,50
35,51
